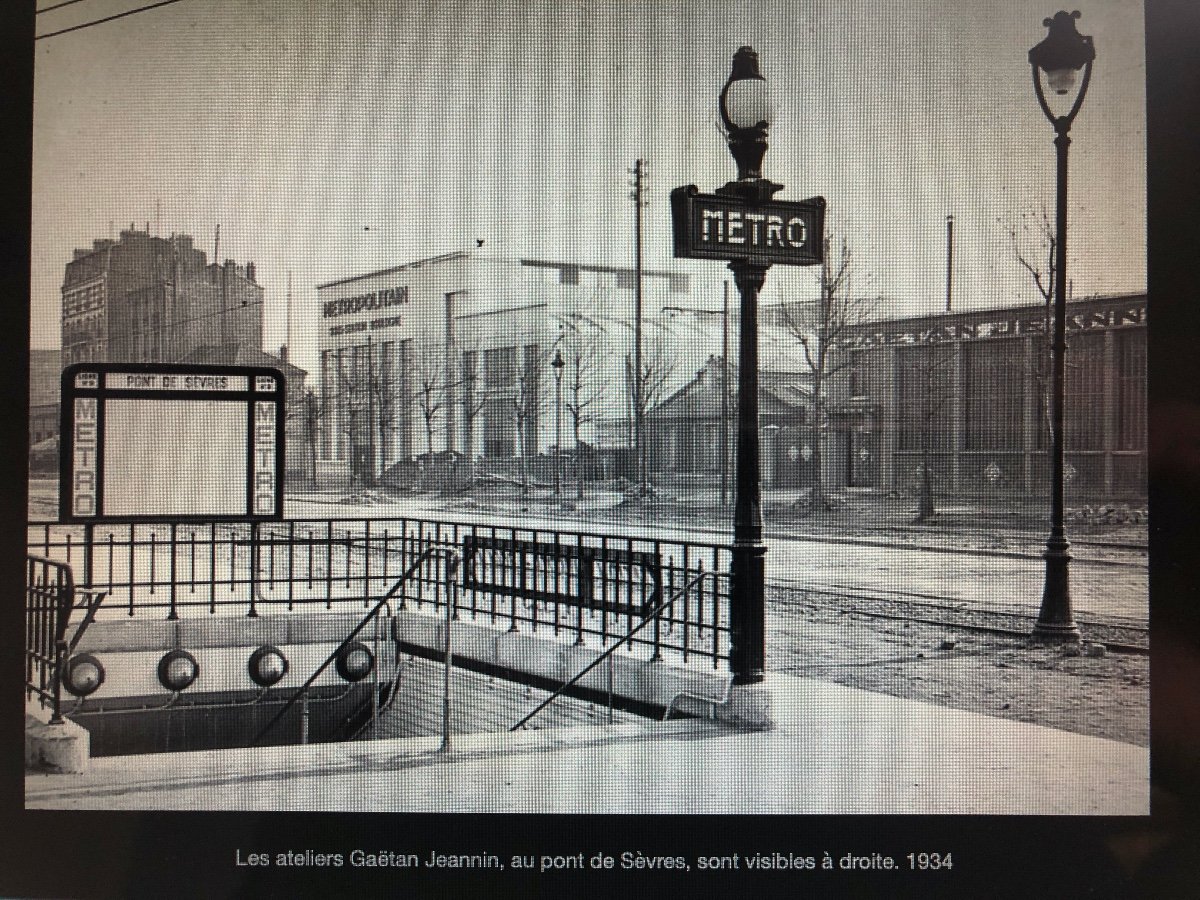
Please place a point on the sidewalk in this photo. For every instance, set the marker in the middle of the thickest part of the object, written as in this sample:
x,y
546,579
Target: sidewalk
x,y
836,750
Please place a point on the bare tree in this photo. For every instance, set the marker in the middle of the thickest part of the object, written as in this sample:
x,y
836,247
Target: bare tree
x,y
582,357
1032,236
932,369
527,406
658,365
835,312
429,391
310,411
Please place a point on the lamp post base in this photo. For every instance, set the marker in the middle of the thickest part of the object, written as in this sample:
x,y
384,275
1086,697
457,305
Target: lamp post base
x,y
747,657
1056,621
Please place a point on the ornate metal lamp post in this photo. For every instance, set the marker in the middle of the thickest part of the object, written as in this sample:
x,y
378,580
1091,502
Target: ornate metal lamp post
x,y
1060,57
557,365
746,113
741,224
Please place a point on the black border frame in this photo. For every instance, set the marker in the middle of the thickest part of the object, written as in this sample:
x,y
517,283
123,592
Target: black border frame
x,y
249,397
193,854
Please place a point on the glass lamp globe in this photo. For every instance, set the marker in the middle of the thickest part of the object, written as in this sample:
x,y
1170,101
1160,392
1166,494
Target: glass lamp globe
x,y
748,102
1061,81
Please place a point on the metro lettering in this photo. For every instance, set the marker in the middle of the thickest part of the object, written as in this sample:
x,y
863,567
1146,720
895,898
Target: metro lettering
x,y
775,232
756,229
755,219
707,218
734,220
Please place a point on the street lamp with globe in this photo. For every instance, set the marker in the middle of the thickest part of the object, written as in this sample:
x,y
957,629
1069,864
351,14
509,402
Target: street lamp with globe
x,y
745,109
1059,59
557,365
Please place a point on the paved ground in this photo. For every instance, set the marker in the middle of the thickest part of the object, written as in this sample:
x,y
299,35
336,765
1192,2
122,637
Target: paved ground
x,y
836,750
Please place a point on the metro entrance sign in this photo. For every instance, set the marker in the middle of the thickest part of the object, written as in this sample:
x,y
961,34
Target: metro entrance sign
x,y
742,224
151,442
725,226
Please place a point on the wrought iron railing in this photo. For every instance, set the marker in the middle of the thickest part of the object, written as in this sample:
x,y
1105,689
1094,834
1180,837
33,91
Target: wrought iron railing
x,y
49,598
392,592
580,587
607,654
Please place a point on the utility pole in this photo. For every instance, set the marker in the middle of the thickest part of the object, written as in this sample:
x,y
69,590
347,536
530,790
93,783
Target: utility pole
x,y
221,274
174,333
639,436
949,259
288,323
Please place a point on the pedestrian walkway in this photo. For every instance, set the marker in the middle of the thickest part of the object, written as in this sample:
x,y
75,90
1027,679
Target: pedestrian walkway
x,y
834,750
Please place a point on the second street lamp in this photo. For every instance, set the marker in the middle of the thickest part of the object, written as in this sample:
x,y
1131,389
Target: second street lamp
x,y
1059,57
557,365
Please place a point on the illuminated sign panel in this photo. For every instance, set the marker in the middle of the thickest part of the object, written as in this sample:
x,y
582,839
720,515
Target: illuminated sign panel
x,y
146,442
711,226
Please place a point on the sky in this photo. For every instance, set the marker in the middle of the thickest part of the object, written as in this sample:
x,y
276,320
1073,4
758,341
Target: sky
x,y
335,138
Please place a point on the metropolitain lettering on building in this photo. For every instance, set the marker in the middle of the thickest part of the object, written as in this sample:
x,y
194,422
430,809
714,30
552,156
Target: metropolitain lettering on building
x,y
712,226
1022,322
378,324
345,306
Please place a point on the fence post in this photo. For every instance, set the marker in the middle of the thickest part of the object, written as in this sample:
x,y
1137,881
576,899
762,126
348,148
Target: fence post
x,y
88,547
448,655
253,614
60,660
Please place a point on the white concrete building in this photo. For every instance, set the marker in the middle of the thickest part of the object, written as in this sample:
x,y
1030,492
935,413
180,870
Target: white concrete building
x,y
456,352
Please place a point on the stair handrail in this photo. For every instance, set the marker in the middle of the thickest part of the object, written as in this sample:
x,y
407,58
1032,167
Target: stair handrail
x,y
422,557
610,650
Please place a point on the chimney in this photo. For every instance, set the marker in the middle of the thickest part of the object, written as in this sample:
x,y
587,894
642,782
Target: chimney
x,y
250,271
283,352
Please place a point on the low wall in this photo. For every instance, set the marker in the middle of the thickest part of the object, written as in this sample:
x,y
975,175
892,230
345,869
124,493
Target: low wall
x,y
131,711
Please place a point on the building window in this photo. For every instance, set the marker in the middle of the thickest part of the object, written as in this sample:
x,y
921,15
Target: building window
x,y
341,403
626,278
993,394
498,428
1085,390
500,367
472,399
857,385
1130,406
568,275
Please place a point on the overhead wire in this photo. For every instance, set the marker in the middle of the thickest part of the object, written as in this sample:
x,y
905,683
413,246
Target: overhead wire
x,y
122,15
57,6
